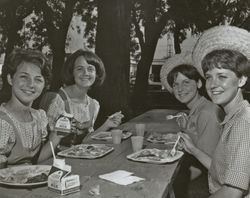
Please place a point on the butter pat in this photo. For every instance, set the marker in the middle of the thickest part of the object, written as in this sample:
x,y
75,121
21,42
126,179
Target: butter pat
x,y
63,124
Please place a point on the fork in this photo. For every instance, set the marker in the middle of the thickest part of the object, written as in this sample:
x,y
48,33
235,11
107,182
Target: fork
x,y
170,117
173,150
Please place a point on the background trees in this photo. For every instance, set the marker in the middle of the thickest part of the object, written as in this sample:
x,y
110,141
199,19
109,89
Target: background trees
x,y
113,46
122,27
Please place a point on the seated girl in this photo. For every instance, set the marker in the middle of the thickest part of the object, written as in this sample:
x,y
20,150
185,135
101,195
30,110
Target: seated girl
x,y
223,52
81,71
202,122
22,128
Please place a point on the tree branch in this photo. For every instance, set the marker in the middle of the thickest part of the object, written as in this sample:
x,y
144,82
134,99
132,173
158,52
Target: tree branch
x,y
138,31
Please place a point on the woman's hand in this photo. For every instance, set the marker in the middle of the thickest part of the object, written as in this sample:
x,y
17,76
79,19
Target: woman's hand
x,y
182,120
114,120
79,128
187,143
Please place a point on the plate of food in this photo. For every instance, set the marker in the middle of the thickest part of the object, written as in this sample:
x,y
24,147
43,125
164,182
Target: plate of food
x,y
162,138
155,156
25,176
106,135
87,151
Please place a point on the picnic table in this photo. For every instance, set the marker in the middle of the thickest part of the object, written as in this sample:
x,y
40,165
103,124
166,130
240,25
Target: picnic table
x,y
158,177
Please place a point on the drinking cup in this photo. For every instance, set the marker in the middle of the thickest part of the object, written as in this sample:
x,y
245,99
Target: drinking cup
x,y
137,143
3,162
140,129
116,136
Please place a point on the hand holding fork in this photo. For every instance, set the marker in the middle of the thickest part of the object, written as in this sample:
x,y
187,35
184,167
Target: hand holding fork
x,y
170,117
173,150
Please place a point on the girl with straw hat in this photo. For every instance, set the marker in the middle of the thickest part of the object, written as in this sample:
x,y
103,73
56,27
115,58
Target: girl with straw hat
x,y
182,79
223,52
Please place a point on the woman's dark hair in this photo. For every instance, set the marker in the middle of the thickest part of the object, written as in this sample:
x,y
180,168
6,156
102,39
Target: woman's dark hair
x,y
91,58
227,59
17,56
190,72
14,59
187,70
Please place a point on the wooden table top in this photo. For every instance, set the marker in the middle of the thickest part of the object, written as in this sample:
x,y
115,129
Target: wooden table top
x,y
157,181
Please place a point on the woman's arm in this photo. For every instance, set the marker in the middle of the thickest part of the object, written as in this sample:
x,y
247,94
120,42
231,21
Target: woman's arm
x,y
209,131
46,149
197,153
112,122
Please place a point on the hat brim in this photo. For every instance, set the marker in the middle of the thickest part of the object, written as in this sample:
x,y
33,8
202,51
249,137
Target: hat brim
x,y
221,37
171,63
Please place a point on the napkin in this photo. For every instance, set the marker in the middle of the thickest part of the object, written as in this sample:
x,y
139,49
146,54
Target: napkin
x,y
121,177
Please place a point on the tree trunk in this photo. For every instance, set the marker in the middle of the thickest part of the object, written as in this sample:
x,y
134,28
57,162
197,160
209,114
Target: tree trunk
x,y
113,47
152,33
58,60
138,100
177,45
14,25
57,37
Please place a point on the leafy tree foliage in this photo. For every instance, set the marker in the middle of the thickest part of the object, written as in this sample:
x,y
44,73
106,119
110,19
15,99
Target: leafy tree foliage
x,y
49,21
152,18
12,14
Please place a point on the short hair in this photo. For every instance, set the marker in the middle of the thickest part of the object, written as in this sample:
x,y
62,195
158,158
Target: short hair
x,y
18,55
187,70
91,58
227,59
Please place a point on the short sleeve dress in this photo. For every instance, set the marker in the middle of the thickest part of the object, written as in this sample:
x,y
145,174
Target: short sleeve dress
x,y
20,142
84,114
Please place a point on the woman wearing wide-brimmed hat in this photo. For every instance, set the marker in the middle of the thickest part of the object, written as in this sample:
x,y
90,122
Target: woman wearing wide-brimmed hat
x,y
224,54
202,123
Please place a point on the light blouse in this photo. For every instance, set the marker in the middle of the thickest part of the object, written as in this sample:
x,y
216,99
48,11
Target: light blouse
x,y
81,112
231,161
20,141
204,126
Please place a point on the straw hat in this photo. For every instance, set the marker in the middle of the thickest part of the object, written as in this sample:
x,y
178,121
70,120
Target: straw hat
x,y
171,63
221,37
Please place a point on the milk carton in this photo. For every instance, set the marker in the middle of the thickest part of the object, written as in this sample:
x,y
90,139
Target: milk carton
x,y
61,180
63,124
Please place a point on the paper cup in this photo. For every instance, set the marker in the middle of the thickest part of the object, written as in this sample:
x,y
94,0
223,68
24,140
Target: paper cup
x,y
3,162
116,136
137,143
140,129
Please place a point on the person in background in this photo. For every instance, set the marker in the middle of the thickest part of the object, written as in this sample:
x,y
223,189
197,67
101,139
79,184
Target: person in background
x,y
82,70
223,56
202,122
22,128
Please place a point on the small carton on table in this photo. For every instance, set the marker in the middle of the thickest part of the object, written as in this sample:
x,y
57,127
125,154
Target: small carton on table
x,y
61,180
63,124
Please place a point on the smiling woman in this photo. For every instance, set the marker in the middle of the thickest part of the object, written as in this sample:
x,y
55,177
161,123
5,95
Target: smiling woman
x,y
223,53
22,128
185,81
82,70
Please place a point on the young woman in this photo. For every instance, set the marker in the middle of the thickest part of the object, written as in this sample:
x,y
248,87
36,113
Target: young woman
x,y
22,128
81,71
226,69
202,122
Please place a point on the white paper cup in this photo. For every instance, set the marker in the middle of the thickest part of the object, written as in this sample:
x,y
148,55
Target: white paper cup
x,y
137,143
140,129
116,136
